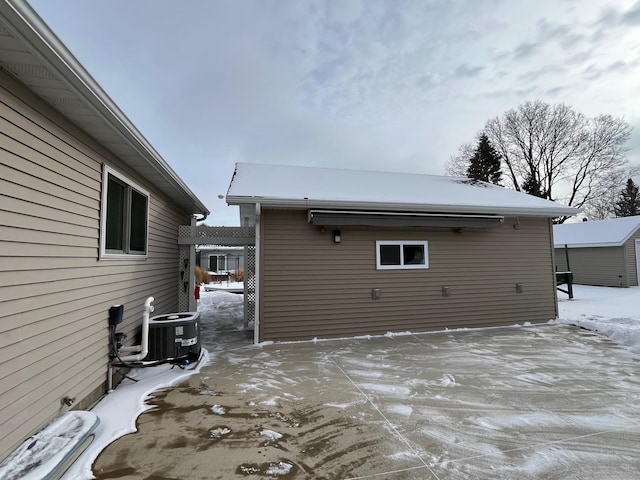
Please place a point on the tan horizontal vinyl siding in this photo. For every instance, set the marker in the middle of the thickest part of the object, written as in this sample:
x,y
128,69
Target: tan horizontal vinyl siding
x,y
54,291
601,266
311,287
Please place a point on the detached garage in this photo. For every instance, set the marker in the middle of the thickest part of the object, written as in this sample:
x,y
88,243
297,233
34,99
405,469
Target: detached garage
x,y
601,252
342,252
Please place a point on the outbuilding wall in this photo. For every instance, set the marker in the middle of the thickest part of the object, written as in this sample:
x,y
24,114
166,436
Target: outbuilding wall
x,y
631,258
600,266
54,291
311,287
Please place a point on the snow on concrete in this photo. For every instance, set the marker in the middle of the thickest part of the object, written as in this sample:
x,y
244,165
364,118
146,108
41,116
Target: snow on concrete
x,y
119,410
218,410
271,435
220,432
278,469
608,311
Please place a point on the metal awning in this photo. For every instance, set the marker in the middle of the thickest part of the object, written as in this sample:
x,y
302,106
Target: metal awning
x,y
401,219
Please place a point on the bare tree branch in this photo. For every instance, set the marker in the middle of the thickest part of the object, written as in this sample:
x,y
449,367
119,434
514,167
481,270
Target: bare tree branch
x,y
559,154
457,164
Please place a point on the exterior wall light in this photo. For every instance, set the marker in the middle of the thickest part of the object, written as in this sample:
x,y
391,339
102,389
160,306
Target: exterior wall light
x,y
337,236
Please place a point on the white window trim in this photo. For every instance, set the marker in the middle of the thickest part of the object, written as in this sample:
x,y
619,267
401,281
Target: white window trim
x,y
104,255
218,255
401,243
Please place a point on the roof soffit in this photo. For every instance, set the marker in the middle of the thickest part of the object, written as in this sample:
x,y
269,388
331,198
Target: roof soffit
x,y
38,59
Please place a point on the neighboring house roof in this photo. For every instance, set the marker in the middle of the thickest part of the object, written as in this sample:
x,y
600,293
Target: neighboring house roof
x,y
613,232
31,52
310,187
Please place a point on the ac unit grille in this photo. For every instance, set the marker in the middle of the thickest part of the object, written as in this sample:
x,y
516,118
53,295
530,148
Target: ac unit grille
x,y
172,339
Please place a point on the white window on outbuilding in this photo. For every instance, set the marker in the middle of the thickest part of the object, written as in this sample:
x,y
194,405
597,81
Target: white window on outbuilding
x,y
392,254
124,217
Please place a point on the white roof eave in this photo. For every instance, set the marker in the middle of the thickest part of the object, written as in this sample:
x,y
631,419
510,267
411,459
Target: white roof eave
x,y
587,245
48,51
405,207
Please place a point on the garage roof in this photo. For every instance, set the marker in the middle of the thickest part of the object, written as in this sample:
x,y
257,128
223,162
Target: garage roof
x,y
312,187
613,232
31,52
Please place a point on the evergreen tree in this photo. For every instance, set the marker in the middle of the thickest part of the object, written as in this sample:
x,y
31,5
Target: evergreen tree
x,y
485,163
533,186
629,203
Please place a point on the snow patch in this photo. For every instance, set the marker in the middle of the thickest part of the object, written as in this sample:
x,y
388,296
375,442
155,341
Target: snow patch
x,y
218,410
272,402
209,392
271,435
447,380
343,406
220,432
278,469
405,410
391,389
397,334
249,470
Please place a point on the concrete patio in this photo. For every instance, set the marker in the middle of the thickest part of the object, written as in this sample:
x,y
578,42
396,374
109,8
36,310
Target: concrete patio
x,y
540,402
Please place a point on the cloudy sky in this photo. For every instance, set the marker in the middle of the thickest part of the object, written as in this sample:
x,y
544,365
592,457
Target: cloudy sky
x,y
383,85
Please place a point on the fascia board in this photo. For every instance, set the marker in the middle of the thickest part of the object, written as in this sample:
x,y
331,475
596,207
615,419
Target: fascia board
x,y
587,245
630,234
407,207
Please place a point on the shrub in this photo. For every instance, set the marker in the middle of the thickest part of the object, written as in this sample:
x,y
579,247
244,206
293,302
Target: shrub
x,y
202,276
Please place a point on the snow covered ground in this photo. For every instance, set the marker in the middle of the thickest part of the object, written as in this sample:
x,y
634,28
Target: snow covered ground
x,y
119,410
612,312
607,311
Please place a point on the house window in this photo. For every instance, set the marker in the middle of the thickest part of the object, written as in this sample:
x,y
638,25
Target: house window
x,y
402,254
218,263
124,217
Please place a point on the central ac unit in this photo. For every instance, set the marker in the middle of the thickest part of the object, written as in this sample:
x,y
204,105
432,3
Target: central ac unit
x,y
174,335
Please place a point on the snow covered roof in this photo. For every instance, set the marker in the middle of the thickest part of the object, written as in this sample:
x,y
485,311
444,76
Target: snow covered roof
x,y
613,232
312,187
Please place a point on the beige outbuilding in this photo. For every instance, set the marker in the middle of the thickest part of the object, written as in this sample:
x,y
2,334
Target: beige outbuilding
x,y
345,252
600,252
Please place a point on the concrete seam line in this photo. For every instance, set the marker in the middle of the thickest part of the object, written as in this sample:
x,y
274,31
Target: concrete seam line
x,y
389,472
393,427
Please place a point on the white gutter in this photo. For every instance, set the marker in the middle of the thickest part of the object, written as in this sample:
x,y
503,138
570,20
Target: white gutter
x,y
143,348
406,207
256,315
587,245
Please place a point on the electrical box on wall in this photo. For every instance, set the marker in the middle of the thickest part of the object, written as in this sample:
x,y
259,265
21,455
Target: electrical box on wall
x,y
115,315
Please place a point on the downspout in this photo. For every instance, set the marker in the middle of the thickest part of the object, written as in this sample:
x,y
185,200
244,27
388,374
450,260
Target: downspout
x,y
256,315
143,348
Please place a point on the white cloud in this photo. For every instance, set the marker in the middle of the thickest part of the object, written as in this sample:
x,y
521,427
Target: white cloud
x,y
390,85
